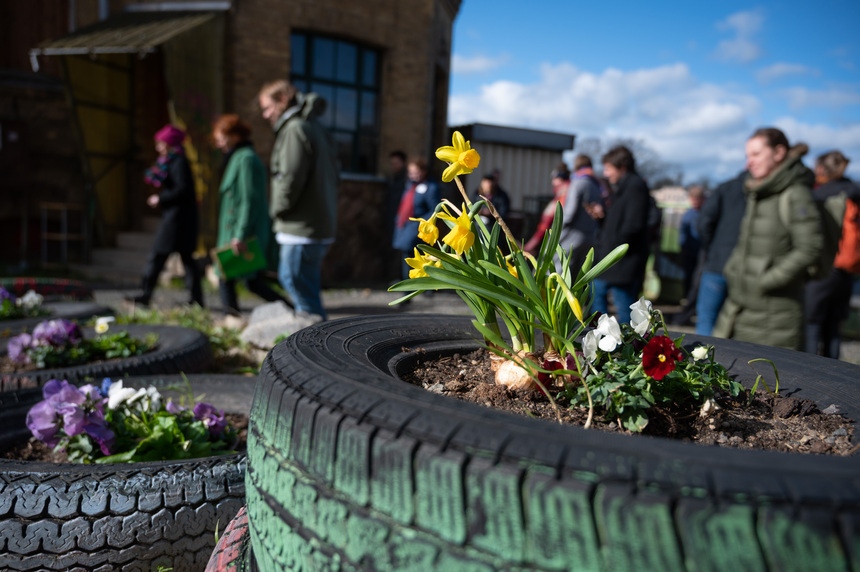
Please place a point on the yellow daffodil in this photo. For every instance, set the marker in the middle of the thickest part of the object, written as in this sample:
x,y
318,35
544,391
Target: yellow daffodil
x,y
461,237
461,157
103,324
512,269
419,262
427,230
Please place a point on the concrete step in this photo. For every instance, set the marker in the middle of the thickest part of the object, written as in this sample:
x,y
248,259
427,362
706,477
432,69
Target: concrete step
x,y
119,256
121,277
138,241
150,224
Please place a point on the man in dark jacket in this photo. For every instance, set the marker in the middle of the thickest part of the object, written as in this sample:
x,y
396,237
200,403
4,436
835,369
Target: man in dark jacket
x,y
719,225
625,222
304,178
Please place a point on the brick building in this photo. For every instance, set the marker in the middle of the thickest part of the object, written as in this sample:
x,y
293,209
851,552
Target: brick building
x,y
129,67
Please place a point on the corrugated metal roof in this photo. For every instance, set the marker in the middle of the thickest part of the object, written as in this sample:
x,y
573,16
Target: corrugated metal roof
x,y
517,136
133,32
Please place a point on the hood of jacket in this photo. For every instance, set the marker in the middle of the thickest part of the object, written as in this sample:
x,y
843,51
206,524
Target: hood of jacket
x,y
790,172
310,105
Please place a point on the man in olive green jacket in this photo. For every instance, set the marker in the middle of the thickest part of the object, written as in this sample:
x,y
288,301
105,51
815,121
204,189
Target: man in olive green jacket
x,y
304,178
780,238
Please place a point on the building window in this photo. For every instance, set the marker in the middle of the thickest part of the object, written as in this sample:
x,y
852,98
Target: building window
x,y
346,74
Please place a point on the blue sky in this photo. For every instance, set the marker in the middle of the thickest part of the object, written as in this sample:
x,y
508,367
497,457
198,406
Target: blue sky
x,y
692,80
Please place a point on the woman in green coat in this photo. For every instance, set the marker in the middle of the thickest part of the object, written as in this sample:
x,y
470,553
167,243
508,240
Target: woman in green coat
x,y
244,211
780,239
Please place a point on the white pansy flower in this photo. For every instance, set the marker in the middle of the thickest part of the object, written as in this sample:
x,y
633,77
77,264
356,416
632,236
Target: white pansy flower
x,y
146,399
640,316
103,324
30,300
610,332
700,353
589,345
117,394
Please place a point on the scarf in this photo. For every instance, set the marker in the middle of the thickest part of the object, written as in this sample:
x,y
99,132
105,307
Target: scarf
x,y
156,174
407,206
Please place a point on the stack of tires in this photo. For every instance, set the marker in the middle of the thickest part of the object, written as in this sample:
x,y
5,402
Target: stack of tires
x,y
134,517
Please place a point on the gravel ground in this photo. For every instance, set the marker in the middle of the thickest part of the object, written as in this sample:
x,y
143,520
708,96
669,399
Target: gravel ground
x,y
342,303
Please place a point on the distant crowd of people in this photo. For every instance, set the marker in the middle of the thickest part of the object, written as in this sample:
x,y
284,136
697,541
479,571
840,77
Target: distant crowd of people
x,y
760,253
767,255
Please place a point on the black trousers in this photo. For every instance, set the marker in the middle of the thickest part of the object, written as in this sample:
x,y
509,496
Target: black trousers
x,y
255,284
154,266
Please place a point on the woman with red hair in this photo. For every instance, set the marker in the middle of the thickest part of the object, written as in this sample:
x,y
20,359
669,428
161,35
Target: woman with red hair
x,y
244,211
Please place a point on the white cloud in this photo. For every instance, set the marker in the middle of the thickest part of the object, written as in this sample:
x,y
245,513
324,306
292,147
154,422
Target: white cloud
x,y
823,138
778,70
701,126
801,97
478,64
742,48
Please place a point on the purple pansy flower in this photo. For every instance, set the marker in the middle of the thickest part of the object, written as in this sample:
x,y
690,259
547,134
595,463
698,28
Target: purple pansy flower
x,y
43,423
103,436
213,418
173,408
57,333
67,400
6,295
17,348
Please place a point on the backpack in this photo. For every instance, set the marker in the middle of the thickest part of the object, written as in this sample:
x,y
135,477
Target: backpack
x,y
832,211
848,255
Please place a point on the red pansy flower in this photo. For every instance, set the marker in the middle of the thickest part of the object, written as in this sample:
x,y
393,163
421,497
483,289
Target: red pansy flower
x,y
660,356
545,378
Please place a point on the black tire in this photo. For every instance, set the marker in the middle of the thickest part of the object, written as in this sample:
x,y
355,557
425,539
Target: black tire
x,y
80,311
116,517
179,350
352,469
50,288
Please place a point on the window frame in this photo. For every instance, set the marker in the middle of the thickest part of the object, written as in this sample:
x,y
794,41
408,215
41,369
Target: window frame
x,y
357,143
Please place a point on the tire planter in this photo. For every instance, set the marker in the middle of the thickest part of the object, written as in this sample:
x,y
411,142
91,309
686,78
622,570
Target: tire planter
x,y
179,350
67,310
350,468
48,287
136,516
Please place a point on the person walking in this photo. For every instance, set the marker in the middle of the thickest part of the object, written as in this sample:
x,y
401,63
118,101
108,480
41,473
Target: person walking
x,y
418,201
625,221
304,180
177,231
780,239
827,300
719,225
579,230
244,208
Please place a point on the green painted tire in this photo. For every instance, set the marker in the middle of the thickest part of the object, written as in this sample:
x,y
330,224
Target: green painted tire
x,y
352,469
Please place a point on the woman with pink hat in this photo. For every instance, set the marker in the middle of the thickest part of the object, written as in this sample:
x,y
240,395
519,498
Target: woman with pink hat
x,y
174,184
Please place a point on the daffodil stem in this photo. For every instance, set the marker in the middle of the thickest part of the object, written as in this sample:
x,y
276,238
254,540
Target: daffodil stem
x,y
494,212
463,191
